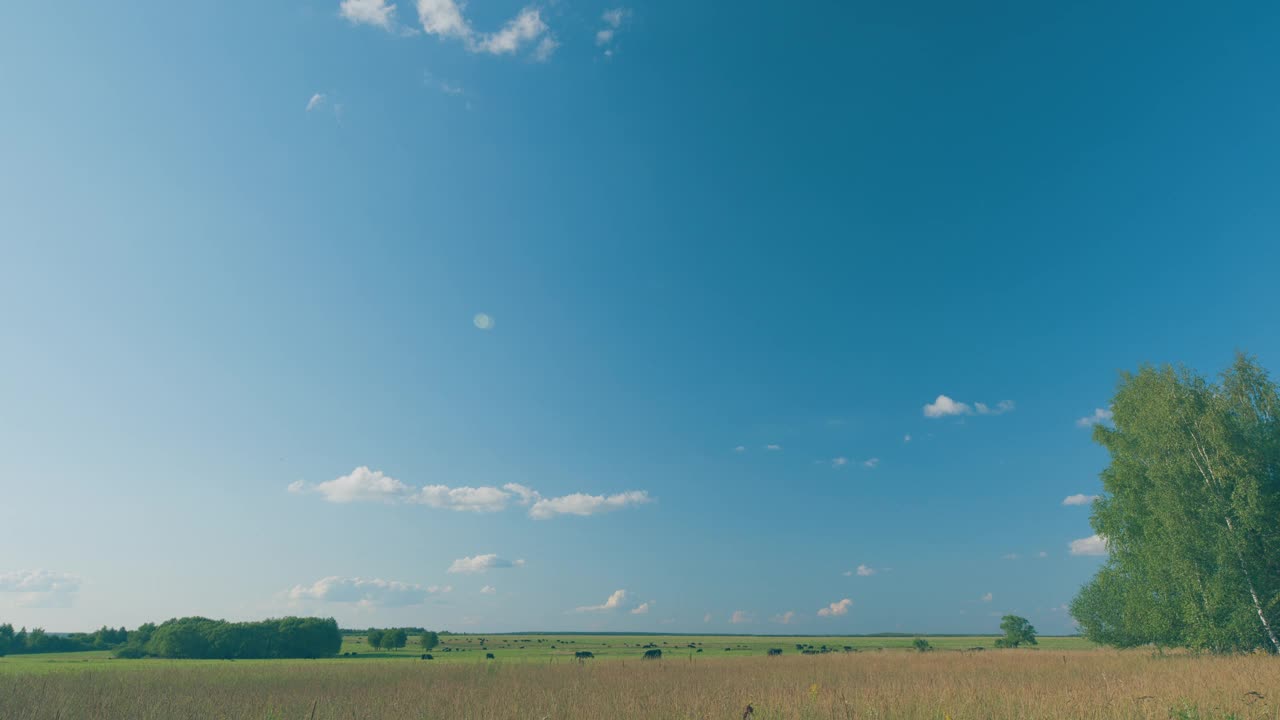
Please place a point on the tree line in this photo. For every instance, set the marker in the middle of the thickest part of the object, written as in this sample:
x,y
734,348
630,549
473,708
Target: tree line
x,y
190,637
1189,513
396,638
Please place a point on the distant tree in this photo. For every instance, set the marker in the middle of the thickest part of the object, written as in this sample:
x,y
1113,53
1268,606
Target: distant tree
x,y
429,639
1017,631
6,639
375,637
1192,493
921,644
395,639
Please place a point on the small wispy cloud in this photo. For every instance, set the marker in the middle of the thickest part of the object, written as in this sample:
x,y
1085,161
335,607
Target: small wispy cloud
x,y
366,485
865,571
613,21
785,618
366,592
445,19
944,406
483,563
871,463
1011,556
839,462
906,438
41,588
488,590
316,101
773,447
1100,415
1092,545
740,449
613,602
740,617
835,609
1079,499
988,598
642,608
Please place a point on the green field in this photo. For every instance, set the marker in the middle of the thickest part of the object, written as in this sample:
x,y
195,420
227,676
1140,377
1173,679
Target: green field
x,y
552,648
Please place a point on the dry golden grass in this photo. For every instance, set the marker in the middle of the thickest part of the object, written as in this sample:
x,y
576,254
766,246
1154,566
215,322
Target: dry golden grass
x,y
1004,684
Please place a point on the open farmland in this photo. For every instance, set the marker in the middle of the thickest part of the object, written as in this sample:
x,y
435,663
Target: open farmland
x,y
893,683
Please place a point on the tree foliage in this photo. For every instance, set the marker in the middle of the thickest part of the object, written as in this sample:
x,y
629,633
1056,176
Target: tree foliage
x,y
1017,631
1189,514
429,639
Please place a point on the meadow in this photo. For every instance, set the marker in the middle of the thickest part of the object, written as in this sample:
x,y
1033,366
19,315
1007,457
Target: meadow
x,y
1063,678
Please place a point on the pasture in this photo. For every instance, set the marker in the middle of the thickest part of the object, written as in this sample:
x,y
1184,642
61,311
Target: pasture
x,y
1064,677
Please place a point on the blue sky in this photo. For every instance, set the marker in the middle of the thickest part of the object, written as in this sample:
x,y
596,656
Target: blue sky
x,y
728,257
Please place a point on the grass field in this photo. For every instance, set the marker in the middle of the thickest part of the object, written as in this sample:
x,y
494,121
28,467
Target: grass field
x,y
1064,678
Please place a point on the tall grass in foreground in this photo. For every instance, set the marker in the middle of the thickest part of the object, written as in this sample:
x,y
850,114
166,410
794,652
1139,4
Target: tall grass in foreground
x,y
1006,684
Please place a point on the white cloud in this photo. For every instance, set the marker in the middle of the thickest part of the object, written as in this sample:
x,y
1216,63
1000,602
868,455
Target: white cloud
x,y
40,588
444,18
706,618
368,592
871,463
642,608
865,571
613,603
944,406
488,590
1100,415
546,48
527,494
1092,545
521,29
433,589
483,321
482,563
1001,408
362,485
740,449
773,447
839,462
1079,499
480,499
1042,554
365,485
988,597
906,438
1011,556
836,609
583,504
368,12
785,618
613,20
740,617
316,101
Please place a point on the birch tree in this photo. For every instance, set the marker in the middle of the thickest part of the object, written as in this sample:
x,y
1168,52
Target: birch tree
x,y
1190,513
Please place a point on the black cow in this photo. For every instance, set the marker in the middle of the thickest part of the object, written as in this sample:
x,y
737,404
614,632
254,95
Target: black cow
x,y
428,657
653,654
584,654
775,651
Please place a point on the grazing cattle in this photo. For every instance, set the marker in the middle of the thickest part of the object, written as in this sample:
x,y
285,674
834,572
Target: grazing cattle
x,y
775,651
584,654
699,649
653,654
488,656
428,657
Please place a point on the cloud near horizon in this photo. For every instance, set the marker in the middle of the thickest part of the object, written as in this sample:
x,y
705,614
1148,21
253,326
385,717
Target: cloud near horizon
x,y
836,609
365,485
41,588
612,603
372,592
